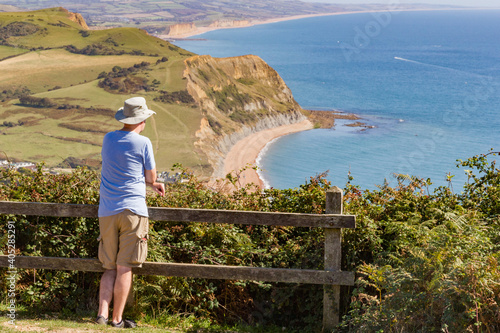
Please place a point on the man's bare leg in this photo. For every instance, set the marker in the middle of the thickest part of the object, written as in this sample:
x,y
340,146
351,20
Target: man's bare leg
x,y
106,292
123,283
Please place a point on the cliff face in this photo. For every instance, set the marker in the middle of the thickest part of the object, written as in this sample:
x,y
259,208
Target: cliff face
x,y
238,96
181,28
76,17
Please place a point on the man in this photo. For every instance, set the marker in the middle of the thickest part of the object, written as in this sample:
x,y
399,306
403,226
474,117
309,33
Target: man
x,y
128,165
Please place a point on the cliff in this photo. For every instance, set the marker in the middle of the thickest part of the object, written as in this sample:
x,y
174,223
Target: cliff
x,y
76,17
179,29
238,96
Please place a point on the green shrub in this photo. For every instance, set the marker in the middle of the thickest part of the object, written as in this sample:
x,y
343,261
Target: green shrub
x,y
181,96
424,261
36,101
428,262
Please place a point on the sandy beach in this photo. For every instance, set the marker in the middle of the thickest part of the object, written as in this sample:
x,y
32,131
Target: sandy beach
x,y
247,150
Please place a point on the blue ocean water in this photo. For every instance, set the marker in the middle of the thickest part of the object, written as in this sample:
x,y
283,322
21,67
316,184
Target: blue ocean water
x,y
429,82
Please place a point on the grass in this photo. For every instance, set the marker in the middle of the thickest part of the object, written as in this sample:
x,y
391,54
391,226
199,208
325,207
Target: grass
x,y
41,147
170,74
43,70
171,130
83,321
129,39
85,95
41,138
64,322
85,324
49,33
6,51
67,321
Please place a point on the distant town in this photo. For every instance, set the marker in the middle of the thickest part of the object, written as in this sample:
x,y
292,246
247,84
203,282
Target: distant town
x,y
17,165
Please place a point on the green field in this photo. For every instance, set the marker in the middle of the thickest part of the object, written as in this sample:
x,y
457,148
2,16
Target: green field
x,y
53,134
43,70
6,52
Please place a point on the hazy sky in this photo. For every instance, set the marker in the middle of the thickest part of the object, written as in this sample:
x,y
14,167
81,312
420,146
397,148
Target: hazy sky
x,y
471,3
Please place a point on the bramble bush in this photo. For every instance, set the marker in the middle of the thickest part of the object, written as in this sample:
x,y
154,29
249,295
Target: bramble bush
x,y
424,261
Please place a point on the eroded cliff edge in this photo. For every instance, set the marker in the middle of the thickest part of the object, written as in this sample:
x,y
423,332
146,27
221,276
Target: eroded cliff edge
x,y
76,17
238,96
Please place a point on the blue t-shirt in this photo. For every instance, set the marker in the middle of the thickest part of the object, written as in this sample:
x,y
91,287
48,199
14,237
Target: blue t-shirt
x,y
125,156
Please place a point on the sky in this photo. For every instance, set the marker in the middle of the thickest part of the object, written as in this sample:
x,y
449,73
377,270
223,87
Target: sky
x,y
470,3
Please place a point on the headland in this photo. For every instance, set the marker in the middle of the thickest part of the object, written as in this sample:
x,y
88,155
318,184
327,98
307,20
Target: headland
x,y
246,151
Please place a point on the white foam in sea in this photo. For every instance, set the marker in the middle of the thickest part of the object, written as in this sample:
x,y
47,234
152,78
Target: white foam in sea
x,y
258,161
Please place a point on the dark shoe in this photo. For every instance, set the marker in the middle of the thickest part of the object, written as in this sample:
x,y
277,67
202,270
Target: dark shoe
x,y
101,320
125,323
121,324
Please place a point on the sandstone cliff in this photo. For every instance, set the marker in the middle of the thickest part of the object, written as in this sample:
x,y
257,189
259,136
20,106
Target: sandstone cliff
x,y
179,29
238,96
76,17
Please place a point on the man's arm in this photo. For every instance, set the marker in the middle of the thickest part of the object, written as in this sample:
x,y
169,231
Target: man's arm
x,y
151,181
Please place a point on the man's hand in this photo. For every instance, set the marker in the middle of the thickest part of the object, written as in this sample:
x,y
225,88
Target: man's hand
x,y
158,187
151,181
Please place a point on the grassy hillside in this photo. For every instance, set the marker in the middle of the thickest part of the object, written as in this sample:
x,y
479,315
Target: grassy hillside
x,y
45,69
7,52
61,84
37,62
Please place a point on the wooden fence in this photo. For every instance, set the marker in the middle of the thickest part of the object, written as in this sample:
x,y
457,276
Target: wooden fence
x,y
332,277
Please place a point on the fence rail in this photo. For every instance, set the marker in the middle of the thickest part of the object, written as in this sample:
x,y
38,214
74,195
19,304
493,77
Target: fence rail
x,y
220,272
331,277
188,215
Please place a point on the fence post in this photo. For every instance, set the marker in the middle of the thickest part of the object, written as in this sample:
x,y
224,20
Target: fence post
x,y
131,294
333,256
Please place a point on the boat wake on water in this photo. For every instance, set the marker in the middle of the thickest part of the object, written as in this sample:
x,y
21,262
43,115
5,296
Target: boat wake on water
x,y
441,67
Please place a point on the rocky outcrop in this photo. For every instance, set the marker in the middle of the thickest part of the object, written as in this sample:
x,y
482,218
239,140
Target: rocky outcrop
x,y
249,74
238,96
180,29
76,17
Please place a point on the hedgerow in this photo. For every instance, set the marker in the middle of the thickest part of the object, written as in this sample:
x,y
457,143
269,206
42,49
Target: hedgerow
x,y
425,261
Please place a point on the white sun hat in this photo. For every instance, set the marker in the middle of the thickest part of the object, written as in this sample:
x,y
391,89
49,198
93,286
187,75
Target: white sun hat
x,y
134,111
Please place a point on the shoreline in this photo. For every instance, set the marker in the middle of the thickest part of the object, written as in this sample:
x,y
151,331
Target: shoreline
x,y
247,150
202,30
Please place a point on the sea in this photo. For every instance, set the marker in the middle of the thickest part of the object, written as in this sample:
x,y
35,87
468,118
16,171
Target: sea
x,y
427,81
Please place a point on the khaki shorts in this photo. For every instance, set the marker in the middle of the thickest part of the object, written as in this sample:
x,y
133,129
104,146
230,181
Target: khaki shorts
x,y
123,240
